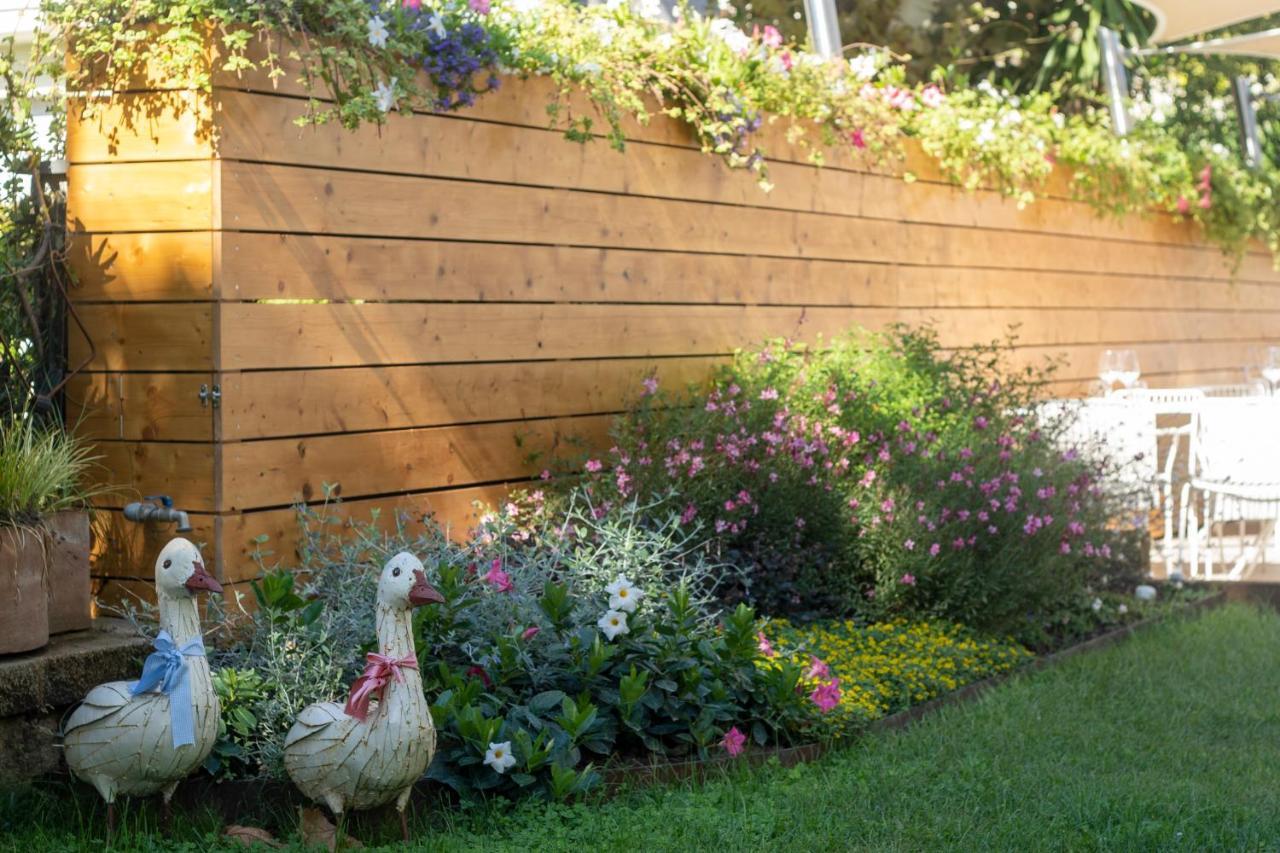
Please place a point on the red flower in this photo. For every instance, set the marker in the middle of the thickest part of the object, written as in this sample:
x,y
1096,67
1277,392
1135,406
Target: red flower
x,y
478,672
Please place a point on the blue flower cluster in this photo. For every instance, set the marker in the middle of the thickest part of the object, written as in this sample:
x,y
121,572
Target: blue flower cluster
x,y
455,59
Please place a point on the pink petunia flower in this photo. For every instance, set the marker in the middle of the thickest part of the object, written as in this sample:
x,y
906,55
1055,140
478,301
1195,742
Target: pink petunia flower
x,y
908,579
593,465
1184,206
932,96
771,37
733,742
858,140
415,5
826,695
480,7
530,632
763,644
650,384
496,576
817,668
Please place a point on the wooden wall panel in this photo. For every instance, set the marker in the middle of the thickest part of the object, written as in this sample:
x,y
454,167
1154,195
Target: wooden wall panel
x,y
307,402
264,129
140,406
280,472
407,313
158,196
257,266
145,267
145,336
258,197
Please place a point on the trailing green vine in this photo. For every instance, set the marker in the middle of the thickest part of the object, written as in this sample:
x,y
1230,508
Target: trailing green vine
x,y
361,60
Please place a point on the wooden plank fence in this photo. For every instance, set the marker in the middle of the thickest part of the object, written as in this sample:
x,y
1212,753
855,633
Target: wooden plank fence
x,y
406,313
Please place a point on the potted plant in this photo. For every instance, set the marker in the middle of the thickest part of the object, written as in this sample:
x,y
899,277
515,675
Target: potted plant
x,y
44,534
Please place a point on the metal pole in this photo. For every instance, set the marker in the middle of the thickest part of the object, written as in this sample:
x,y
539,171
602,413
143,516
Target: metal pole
x,y
824,28
1249,142
1115,79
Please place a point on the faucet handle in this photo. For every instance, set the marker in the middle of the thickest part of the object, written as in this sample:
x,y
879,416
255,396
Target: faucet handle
x,y
165,500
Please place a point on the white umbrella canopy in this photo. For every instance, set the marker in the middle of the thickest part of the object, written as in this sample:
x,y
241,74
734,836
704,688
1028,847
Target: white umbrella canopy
x,y
1177,19
1263,45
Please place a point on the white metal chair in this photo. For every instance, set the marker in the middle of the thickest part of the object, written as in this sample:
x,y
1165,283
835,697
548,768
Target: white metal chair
x,y
1242,389
1235,476
1169,404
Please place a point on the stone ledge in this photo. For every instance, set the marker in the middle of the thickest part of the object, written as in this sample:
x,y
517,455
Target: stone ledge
x,y
63,671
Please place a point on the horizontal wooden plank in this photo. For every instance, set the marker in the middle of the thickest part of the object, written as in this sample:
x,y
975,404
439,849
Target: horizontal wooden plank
x,y
172,125
140,406
452,509
305,402
279,472
293,266
265,336
293,199
142,267
161,196
145,336
262,128
135,469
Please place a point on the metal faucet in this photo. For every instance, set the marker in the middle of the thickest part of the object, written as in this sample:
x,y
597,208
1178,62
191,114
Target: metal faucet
x,y
158,508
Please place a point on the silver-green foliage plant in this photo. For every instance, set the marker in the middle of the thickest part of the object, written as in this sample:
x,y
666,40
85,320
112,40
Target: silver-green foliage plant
x,y
568,634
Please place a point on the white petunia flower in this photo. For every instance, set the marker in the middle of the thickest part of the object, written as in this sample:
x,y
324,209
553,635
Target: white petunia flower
x,y
385,95
586,68
1145,592
613,623
623,595
727,32
1097,604
865,65
499,757
436,24
1122,609
377,32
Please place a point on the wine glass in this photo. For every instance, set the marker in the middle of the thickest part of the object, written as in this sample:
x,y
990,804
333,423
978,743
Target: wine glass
x,y
1269,367
1109,369
1129,371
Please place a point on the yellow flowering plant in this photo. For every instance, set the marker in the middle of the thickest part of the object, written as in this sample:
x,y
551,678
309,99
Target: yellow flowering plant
x,y
860,673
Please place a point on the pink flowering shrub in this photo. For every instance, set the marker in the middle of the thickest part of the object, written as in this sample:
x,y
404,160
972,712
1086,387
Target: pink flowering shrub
x,y
877,475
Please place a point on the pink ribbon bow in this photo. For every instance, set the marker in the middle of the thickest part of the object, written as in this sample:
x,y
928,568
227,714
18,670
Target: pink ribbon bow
x,y
380,670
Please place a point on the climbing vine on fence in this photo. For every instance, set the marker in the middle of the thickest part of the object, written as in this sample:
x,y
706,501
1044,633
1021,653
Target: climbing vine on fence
x,y
363,59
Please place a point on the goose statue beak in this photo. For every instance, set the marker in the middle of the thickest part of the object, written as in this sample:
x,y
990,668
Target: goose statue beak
x,y
200,579
423,592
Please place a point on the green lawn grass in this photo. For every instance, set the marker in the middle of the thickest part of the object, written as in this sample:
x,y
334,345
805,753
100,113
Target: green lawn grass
x,y
1168,741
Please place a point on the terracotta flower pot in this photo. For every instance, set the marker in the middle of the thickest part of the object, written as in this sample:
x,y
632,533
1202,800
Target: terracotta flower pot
x,y
24,593
69,594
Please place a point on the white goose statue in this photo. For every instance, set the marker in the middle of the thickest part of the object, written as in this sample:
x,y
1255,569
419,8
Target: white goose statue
x,y
139,738
355,757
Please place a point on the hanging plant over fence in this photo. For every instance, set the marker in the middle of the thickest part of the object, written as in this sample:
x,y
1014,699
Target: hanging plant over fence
x,y
362,60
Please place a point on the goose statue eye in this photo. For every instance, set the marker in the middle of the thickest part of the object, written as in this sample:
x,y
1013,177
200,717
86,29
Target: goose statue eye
x,y
395,573
168,563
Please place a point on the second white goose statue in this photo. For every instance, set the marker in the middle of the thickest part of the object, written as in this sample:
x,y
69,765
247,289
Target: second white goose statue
x,y
139,738
356,757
